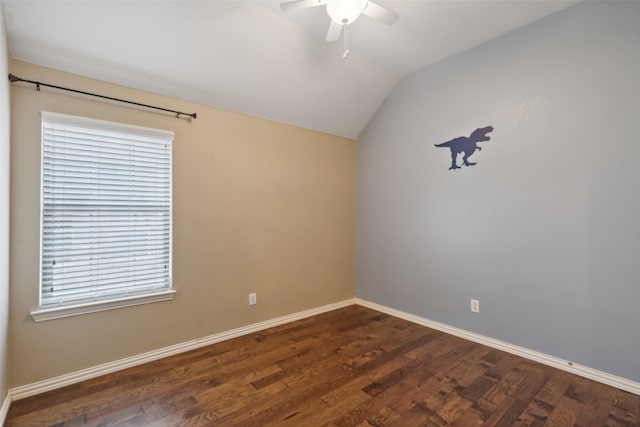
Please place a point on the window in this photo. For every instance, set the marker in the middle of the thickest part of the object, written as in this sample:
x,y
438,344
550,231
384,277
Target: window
x,y
106,216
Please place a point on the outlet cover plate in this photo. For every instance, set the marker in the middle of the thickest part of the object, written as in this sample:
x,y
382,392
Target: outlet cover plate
x,y
475,306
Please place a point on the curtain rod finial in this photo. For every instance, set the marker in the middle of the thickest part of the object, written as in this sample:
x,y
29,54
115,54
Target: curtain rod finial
x,y
13,78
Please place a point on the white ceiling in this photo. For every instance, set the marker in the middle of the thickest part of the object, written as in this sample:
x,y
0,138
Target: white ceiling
x,y
250,57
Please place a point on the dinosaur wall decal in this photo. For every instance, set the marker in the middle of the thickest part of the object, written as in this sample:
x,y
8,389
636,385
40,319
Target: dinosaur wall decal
x,y
466,145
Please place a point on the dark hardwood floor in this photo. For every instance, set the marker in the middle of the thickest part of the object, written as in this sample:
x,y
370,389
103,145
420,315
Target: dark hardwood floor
x,y
349,367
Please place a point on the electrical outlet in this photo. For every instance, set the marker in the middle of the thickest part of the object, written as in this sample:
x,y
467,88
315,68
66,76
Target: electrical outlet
x,y
475,306
252,299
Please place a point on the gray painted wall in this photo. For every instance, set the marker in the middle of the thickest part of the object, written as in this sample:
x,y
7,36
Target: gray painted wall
x,y
544,230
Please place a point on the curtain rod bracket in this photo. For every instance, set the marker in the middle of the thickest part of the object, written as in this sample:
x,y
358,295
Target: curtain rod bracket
x,y
14,79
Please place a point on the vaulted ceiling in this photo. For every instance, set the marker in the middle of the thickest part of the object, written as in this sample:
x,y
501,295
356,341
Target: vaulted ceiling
x,y
250,57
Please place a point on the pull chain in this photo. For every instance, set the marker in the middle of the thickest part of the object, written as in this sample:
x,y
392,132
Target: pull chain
x,y
346,41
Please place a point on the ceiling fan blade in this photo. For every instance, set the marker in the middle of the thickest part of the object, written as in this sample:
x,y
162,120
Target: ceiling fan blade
x,y
300,4
379,13
334,31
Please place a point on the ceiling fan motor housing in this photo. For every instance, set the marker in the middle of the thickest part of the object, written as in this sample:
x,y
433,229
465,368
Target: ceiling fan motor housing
x,y
345,11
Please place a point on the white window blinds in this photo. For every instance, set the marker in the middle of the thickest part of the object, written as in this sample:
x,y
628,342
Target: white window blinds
x,y
106,211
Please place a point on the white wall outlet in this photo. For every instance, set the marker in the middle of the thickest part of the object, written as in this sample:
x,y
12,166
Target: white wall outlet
x,y
475,306
252,299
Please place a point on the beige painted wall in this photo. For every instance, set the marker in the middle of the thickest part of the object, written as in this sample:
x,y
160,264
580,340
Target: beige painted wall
x,y
258,207
4,207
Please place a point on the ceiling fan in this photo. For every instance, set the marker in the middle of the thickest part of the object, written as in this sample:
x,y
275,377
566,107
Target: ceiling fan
x,y
343,13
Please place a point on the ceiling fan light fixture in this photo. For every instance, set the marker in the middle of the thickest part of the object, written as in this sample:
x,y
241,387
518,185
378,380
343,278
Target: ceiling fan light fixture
x,y
345,11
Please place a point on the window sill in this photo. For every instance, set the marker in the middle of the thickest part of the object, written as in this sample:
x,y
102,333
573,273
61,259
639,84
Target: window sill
x,y
43,314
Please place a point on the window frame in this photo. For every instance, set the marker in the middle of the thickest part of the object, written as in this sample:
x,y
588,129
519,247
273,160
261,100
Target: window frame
x,y
46,312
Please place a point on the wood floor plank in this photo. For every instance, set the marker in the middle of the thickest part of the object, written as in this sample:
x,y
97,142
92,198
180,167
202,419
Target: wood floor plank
x,y
555,388
565,413
472,417
495,415
505,387
377,411
597,406
349,367
624,410
535,414
417,415
453,408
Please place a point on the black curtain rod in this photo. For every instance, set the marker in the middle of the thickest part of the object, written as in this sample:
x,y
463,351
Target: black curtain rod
x,y
14,79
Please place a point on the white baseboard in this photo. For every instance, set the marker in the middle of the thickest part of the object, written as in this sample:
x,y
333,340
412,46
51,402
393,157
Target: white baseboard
x,y
565,365
4,409
128,362
107,368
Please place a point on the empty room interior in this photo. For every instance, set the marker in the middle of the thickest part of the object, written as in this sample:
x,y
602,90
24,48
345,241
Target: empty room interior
x,y
319,212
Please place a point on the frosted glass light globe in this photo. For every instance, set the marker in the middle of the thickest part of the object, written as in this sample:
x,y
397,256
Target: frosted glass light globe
x,y
345,11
